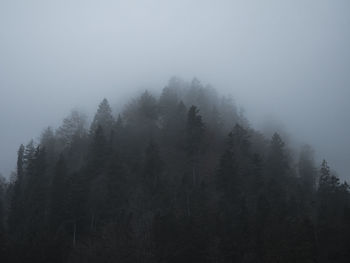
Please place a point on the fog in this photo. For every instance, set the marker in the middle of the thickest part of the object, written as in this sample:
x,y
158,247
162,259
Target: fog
x,y
282,60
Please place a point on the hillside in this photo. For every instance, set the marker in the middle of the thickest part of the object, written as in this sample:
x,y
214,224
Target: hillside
x,y
181,177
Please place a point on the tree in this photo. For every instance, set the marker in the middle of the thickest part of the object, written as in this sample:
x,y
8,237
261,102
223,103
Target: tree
x,y
194,136
98,151
119,123
168,103
195,131
103,118
333,210
72,126
234,163
228,112
117,188
20,162
59,205
174,126
152,170
328,183
16,209
168,100
307,170
48,141
2,204
28,156
277,158
148,106
118,138
35,205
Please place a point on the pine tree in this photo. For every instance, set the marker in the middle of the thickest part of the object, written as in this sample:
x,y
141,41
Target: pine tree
x,y
28,156
152,170
2,205
117,188
333,207
307,170
118,138
20,162
59,205
103,118
35,205
234,163
195,132
48,141
277,159
73,126
328,183
98,152
148,106
119,123
16,209
174,126
95,185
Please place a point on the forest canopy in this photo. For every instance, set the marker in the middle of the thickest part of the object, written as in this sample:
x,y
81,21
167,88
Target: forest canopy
x,y
180,177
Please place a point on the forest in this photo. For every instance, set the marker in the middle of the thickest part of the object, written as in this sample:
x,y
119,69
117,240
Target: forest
x,y
180,177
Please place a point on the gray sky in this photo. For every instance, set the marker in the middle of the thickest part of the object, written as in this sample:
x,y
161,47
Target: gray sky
x,y
287,60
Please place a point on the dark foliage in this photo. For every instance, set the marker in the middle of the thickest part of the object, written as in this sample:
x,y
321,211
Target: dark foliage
x,y
182,178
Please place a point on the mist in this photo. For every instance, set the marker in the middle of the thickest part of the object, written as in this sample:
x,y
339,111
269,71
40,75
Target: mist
x,y
174,131
286,61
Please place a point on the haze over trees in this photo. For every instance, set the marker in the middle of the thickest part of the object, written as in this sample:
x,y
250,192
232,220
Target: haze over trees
x,y
181,177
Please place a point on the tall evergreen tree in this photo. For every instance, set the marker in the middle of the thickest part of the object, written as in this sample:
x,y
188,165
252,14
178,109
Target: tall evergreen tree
x,y
28,156
2,205
59,198
307,170
16,208
73,127
103,118
152,172
98,151
328,182
195,132
277,159
36,195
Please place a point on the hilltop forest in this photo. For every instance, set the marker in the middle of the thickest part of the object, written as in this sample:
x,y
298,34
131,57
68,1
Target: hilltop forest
x,y
180,177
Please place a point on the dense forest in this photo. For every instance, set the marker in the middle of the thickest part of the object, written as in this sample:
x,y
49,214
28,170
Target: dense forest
x,y
182,177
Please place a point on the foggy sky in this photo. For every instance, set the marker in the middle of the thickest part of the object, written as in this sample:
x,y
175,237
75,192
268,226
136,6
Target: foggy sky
x,y
285,60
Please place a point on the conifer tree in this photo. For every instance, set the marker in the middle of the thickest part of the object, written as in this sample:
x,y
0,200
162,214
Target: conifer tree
x,y
35,205
195,132
103,118
2,205
73,127
16,208
307,170
152,172
59,198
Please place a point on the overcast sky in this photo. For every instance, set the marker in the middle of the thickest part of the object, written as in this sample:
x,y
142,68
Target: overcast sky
x,y
286,60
